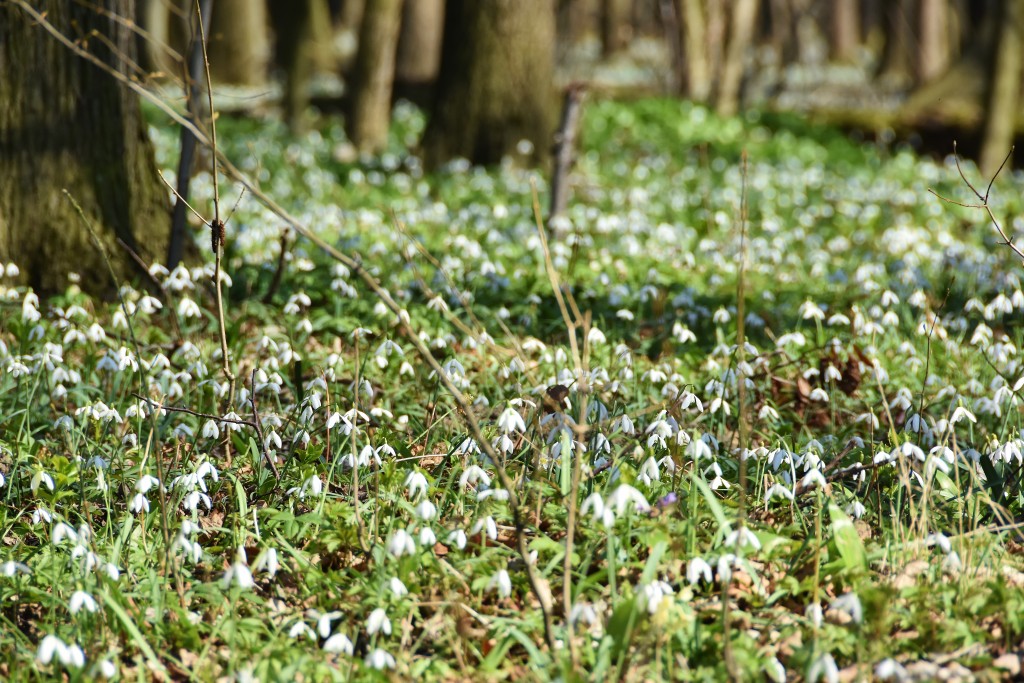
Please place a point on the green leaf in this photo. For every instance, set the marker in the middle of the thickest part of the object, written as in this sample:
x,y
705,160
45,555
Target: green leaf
x,y
848,543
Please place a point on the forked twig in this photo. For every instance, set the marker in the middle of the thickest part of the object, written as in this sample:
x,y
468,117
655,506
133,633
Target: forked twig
x,y
983,200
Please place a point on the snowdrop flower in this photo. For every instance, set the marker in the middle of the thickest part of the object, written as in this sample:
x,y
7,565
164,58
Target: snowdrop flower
x,y
323,622
11,568
425,510
488,525
502,583
813,613
891,670
649,471
71,656
850,604
398,588
338,643
813,478
457,538
238,573
777,491
742,538
856,509
510,421
267,561
654,593
698,569
401,543
595,503
416,484
378,622
40,477
823,668
62,531
624,496
380,659
79,600
300,629
474,475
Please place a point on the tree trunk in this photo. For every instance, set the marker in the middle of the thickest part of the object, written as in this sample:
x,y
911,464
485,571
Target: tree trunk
x,y
239,42
293,51
934,47
1002,112
373,75
896,57
65,123
845,30
419,42
615,26
694,29
573,21
741,33
496,84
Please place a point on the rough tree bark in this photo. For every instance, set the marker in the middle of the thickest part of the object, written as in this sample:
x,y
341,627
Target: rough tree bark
x,y
1004,96
373,75
65,123
496,84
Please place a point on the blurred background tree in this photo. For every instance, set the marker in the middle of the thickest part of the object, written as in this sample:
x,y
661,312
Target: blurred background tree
x,y
488,73
66,123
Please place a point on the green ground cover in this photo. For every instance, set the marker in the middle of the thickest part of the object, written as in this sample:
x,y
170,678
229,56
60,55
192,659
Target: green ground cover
x,y
871,393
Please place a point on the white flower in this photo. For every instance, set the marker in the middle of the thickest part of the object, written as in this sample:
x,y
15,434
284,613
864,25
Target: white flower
x,y
510,421
339,643
401,543
813,613
416,483
80,599
742,537
11,568
71,656
473,475
502,583
267,561
624,496
238,573
301,628
891,670
457,538
777,491
378,621
849,603
654,593
38,478
600,513
698,569
397,587
823,667
380,659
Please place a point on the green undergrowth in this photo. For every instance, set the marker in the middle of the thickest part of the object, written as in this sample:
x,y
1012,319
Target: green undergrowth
x,y
874,404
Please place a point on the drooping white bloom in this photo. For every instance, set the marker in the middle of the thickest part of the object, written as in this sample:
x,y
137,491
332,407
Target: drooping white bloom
x,y
338,643
80,600
378,622
502,583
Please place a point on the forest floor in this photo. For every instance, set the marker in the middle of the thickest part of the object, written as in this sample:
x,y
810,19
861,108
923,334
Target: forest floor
x,y
750,409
